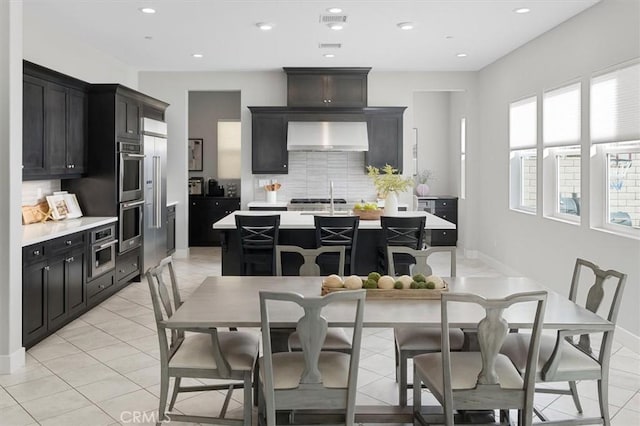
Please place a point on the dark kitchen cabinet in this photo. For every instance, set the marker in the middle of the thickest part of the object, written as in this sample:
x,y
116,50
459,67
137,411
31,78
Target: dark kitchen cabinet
x,y
53,285
54,124
128,265
128,117
447,209
269,153
203,213
171,230
384,125
327,87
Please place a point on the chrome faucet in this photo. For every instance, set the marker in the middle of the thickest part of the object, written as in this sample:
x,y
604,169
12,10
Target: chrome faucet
x,y
331,208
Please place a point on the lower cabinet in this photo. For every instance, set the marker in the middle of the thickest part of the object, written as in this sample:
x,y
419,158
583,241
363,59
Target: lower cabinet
x,y
447,209
34,302
128,265
66,294
203,213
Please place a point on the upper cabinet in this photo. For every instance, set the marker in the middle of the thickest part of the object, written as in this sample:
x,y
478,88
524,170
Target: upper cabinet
x,y
269,141
327,87
54,124
128,117
384,126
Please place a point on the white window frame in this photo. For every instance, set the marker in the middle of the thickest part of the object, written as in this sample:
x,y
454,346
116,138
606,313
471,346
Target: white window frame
x,y
463,158
517,152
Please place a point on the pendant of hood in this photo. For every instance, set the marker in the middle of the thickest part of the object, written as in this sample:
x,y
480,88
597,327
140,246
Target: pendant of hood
x,y
327,136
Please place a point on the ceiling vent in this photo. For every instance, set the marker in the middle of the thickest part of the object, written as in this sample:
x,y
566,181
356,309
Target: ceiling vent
x,y
330,45
333,19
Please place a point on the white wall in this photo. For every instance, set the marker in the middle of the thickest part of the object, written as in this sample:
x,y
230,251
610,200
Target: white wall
x,y
205,109
604,35
44,45
269,89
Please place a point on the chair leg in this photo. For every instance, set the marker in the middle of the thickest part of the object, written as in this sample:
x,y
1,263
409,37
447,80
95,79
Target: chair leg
x,y
248,405
256,384
574,395
397,359
417,393
164,390
603,399
402,385
176,389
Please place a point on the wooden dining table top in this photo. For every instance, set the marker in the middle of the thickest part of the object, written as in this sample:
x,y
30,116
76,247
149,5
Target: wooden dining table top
x,y
233,301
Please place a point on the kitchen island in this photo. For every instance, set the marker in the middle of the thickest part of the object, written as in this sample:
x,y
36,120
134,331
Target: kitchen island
x,y
297,228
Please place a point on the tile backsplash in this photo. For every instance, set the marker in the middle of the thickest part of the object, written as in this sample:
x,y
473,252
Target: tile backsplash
x,y
34,191
310,173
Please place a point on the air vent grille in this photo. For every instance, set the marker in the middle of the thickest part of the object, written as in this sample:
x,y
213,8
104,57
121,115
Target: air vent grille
x,y
330,45
333,19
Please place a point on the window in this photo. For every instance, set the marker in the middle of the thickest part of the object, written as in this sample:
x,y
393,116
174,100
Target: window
x,y
615,133
229,149
523,119
561,140
463,158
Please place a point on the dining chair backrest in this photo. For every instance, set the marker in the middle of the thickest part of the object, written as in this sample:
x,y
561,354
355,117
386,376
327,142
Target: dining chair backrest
x,y
309,267
311,391
491,332
338,231
403,231
602,288
422,259
258,237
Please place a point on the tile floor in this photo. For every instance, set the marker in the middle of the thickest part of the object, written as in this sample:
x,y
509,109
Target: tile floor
x,y
103,368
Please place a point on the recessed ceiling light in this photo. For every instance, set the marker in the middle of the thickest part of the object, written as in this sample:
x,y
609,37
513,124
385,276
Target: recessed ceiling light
x,y
198,55
448,37
461,55
405,26
522,10
264,26
329,55
336,27
147,10
334,10
148,37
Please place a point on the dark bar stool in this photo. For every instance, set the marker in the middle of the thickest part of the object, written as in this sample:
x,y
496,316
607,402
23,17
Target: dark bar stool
x,y
337,231
258,237
400,231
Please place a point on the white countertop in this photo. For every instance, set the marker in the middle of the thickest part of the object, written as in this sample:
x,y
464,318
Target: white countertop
x,y
298,220
171,203
39,232
261,204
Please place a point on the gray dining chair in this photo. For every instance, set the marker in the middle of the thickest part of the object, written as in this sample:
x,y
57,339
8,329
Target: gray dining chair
x,y
412,341
336,339
484,379
564,360
202,354
312,379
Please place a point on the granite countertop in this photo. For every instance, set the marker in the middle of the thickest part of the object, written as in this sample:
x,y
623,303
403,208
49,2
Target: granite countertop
x,y
304,220
39,232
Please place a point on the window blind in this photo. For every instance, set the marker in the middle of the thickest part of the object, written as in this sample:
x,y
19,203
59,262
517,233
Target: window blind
x,y
561,116
615,106
523,123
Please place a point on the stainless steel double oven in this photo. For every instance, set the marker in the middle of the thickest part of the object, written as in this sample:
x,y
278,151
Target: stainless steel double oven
x,y
130,195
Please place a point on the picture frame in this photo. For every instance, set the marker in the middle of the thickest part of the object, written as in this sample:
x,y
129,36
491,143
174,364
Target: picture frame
x,y
72,206
195,153
58,206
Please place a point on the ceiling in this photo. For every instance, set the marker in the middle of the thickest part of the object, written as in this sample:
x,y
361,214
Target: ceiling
x,y
225,31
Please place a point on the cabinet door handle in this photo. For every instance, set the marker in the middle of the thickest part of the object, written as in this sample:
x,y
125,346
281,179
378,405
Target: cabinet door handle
x,y
46,268
68,242
129,131
101,286
329,100
69,259
135,265
36,252
284,165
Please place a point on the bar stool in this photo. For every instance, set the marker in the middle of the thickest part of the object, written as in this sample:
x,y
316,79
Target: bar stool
x,y
403,232
337,231
258,237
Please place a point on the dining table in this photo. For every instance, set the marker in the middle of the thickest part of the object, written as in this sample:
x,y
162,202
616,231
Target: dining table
x,y
233,301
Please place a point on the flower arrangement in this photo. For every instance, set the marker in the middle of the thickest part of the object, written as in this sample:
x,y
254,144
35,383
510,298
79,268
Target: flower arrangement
x,y
420,180
389,181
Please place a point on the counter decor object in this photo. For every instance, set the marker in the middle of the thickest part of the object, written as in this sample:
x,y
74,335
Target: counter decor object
x,y
421,182
388,287
389,184
271,192
367,211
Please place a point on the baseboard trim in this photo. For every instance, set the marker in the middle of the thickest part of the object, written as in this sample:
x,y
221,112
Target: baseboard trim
x,y
181,253
628,339
12,362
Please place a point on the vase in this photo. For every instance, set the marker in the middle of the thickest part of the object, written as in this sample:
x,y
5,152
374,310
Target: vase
x,y
422,189
271,197
391,204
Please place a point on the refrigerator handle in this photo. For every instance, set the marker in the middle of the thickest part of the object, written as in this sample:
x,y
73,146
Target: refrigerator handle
x,y
158,192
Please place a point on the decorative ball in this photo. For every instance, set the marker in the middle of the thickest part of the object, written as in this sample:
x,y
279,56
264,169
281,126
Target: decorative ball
x,y
333,281
353,282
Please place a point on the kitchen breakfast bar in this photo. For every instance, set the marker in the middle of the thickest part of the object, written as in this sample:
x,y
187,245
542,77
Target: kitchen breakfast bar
x,y
297,228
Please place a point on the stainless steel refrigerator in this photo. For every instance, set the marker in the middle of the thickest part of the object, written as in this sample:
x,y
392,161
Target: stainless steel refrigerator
x,y
155,191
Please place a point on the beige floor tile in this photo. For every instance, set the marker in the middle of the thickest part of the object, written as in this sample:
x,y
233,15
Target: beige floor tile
x,y
129,363
38,388
617,396
44,352
72,362
145,377
126,329
90,415
25,374
90,374
54,405
138,401
205,404
380,364
99,315
626,417
634,403
107,388
383,389
117,350
15,416
94,340
116,303
147,343
6,400
590,408
71,333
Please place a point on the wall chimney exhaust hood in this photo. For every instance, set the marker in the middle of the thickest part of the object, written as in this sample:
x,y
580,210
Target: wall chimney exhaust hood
x,y
327,136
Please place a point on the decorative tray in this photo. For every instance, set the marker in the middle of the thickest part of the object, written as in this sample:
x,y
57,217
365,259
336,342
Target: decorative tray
x,y
368,214
408,293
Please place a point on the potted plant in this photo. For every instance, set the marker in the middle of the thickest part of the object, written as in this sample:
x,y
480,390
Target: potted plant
x,y
421,181
388,184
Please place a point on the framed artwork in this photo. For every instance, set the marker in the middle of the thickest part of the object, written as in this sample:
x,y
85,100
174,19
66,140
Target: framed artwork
x,y
58,206
195,155
72,206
